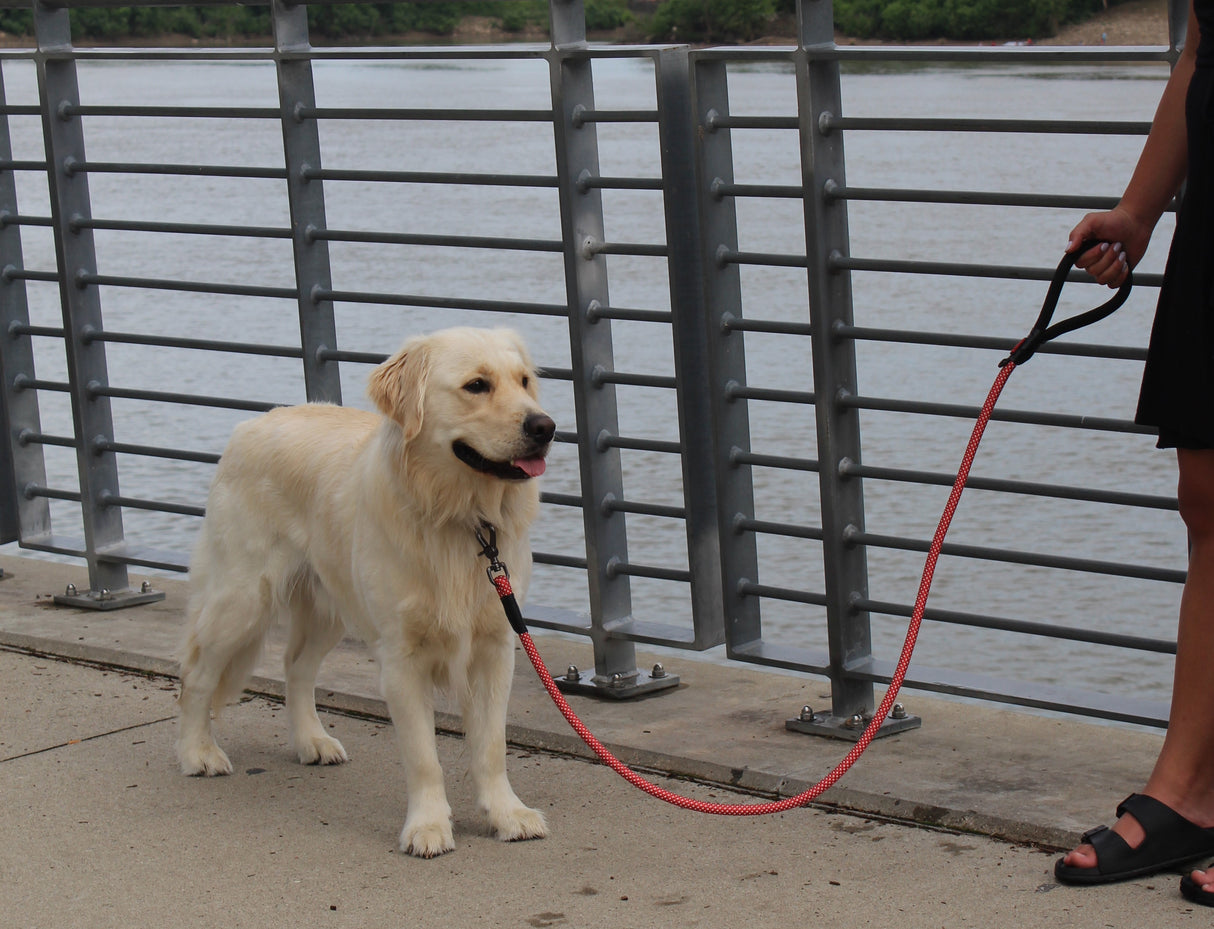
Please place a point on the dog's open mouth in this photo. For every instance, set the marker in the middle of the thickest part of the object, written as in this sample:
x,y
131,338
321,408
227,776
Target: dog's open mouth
x,y
520,469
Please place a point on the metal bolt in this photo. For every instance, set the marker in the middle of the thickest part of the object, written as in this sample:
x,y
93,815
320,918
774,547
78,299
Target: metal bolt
x,y
617,680
104,594
808,715
70,591
572,674
855,722
658,671
898,712
145,587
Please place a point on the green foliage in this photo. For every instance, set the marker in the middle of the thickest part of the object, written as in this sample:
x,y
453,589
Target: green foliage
x,y
716,20
912,20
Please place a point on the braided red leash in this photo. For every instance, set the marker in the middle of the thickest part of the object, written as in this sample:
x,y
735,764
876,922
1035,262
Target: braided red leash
x,y
502,582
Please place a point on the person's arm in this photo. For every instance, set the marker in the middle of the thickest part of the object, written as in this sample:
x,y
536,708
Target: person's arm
x,y
1125,231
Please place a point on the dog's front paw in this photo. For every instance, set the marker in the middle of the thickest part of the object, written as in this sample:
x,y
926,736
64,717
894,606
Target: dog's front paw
x,y
427,840
322,749
203,759
519,823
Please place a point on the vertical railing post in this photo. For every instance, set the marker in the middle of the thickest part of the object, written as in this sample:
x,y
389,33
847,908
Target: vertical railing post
x,y
722,294
22,517
819,96
76,258
615,670
676,132
301,149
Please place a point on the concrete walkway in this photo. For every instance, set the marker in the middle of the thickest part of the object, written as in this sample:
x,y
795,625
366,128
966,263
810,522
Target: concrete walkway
x,y
951,825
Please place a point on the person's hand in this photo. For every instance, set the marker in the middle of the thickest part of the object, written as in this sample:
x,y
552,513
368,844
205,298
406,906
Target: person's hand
x,y
1123,241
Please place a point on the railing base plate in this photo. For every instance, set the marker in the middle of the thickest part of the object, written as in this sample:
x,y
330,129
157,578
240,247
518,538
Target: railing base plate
x,y
839,727
615,686
105,600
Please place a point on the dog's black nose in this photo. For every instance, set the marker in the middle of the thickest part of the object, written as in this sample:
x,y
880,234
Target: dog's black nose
x,y
539,427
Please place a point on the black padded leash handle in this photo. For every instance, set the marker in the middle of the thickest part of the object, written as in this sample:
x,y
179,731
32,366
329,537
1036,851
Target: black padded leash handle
x,y
1043,332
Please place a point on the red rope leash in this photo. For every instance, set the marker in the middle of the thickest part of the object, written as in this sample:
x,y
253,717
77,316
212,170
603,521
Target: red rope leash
x,y
502,582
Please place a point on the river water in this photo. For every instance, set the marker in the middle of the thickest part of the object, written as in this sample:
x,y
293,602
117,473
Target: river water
x,y
1095,165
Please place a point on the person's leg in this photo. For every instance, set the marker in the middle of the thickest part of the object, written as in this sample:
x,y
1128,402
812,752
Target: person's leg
x,y
1183,776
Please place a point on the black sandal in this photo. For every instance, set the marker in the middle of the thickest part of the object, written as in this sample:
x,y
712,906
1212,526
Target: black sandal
x,y
1171,840
1191,891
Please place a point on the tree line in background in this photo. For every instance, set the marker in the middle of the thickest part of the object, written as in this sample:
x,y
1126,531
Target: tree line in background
x,y
682,20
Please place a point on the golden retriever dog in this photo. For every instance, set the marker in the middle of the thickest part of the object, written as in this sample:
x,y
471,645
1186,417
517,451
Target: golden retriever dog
x,y
335,519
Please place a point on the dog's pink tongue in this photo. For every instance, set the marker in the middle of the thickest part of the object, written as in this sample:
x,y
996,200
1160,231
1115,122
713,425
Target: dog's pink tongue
x,y
532,467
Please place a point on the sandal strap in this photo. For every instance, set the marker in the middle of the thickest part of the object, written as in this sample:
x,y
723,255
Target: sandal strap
x,y
1164,825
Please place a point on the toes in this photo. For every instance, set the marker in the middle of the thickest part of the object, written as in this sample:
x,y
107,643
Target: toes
x,y
322,749
520,824
427,840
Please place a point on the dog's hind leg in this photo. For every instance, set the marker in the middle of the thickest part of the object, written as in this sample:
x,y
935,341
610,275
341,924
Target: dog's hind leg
x,y
314,632
487,691
221,650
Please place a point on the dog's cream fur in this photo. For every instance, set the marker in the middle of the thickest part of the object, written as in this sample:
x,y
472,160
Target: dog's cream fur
x,y
331,518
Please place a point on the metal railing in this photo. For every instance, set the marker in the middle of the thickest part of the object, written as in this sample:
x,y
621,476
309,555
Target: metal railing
x,y
657,531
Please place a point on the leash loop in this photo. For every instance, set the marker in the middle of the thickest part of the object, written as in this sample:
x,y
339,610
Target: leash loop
x,y
1042,331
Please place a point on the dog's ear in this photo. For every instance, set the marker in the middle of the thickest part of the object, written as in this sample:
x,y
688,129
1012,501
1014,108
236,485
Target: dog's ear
x,y
398,386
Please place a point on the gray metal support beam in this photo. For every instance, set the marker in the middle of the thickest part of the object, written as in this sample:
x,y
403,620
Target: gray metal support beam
x,y
301,149
722,290
845,565
676,130
76,258
834,364
22,517
615,670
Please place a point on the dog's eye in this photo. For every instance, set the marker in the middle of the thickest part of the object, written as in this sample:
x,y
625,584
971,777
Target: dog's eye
x,y
526,382
477,386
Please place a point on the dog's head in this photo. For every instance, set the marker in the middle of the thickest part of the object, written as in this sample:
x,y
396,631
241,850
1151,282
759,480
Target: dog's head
x,y
471,395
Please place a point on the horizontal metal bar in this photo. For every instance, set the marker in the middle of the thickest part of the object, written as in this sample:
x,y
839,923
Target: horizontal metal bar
x,y
211,345
739,457
572,500
431,177
587,182
583,114
158,396
24,382
960,340
560,561
25,274
1003,624
764,527
155,506
596,311
127,225
1001,485
29,437
201,287
50,332
425,113
839,262
438,241
152,451
185,170
446,303
35,490
638,570
634,249
829,122
639,445
600,376
750,589
715,121
1008,556
746,392
732,323
835,192
1065,420
645,509
71,110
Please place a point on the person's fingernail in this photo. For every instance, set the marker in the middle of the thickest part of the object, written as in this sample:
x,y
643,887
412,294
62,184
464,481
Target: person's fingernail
x,y
1123,260
1104,246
